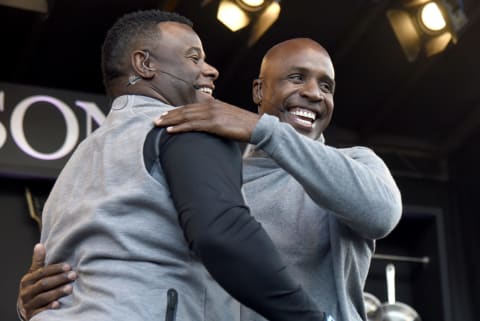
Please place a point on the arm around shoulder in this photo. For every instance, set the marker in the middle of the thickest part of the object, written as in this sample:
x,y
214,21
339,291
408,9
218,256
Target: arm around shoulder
x,y
353,183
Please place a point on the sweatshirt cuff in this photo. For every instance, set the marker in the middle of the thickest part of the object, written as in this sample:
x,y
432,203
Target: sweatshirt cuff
x,y
264,129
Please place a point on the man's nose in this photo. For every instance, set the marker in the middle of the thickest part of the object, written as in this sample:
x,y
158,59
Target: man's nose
x,y
312,91
210,72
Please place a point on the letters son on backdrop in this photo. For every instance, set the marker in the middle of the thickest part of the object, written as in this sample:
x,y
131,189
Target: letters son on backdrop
x,y
33,148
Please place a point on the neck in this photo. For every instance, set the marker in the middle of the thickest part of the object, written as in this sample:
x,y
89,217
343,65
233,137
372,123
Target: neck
x,y
121,86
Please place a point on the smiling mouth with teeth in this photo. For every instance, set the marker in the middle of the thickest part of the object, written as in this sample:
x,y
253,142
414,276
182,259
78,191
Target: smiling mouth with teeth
x,y
303,116
206,90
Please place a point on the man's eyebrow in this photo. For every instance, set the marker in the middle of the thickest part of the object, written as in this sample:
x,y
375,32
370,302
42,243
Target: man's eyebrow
x,y
306,71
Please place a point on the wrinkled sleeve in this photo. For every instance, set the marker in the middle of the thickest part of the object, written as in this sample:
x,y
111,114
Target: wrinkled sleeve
x,y
354,183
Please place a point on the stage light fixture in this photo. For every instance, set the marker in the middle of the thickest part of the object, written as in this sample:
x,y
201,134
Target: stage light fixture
x,y
431,17
232,16
253,3
264,22
31,5
425,27
237,14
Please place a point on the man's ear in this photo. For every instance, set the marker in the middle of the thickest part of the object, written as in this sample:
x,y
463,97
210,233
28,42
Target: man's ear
x,y
140,61
257,91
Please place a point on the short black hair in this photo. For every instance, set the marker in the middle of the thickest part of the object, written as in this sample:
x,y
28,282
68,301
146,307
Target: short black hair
x,y
124,32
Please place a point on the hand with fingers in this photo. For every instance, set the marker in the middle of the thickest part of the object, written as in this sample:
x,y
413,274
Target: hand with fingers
x,y
212,116
42,286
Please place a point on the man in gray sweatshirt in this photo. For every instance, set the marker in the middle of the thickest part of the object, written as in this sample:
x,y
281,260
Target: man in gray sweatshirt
x,y
323,207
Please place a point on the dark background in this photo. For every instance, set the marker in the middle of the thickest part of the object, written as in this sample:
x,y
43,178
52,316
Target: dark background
x,y
422,118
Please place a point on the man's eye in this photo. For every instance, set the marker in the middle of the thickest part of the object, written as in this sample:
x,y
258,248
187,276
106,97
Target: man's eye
x,y
326,87
195,59
295,77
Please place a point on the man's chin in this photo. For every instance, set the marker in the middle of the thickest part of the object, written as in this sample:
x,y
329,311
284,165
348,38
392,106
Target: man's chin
x,y
202,97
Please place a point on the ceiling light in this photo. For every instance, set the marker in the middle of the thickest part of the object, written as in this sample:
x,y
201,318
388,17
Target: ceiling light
x,y
232,15
425,28
431,17
31,5
253,3
264,22
237,14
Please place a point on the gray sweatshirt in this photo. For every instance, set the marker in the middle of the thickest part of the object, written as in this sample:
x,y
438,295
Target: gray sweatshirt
x,y
323,207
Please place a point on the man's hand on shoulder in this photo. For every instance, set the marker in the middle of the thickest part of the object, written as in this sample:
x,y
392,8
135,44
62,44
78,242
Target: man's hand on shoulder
x,y
213,116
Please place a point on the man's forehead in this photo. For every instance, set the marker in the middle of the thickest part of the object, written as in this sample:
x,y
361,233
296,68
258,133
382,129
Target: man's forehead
x,y
295,45
179,34
172,29
302,58
291,53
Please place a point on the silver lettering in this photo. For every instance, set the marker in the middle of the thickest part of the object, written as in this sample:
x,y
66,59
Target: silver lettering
x,y
3,131
93,113
18,134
